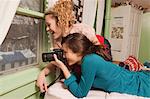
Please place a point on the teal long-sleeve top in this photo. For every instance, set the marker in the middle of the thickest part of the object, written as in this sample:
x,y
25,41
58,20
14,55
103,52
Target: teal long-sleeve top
x,y
98,73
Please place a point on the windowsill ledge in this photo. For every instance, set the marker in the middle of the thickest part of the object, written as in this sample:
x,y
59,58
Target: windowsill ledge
x,y
11,82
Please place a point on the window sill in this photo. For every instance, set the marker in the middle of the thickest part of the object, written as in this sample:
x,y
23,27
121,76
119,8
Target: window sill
x,y
11,82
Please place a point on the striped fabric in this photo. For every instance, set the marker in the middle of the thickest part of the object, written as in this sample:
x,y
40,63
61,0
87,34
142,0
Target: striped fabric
x,y
133,63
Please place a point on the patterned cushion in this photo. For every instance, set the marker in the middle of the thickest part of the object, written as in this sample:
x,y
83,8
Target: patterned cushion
x,y
133,63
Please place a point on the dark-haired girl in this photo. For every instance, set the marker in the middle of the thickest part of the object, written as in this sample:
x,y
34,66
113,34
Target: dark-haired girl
x,y
96,72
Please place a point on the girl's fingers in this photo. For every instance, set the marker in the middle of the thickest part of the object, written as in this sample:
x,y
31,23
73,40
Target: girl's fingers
x,y
45,87
42,89
55,57
59,63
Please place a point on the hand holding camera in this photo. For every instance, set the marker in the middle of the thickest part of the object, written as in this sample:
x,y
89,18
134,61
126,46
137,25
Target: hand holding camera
x,y
60,64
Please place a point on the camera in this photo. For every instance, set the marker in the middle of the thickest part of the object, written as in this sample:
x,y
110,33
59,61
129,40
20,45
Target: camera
x,y
47,57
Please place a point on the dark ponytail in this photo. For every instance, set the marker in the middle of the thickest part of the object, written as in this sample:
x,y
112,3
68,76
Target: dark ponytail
x,y
99,49
93,49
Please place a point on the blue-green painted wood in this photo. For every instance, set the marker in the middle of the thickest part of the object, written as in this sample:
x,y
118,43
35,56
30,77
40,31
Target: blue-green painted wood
x,y
21,84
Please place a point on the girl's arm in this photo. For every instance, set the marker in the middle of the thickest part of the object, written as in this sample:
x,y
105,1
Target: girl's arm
x,y
41,80
82,88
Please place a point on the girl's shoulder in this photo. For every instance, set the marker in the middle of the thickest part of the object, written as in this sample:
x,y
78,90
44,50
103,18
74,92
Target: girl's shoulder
x,y
82,26
92,57
84,29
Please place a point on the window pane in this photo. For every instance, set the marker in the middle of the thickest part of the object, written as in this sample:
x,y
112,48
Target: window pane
x,y
31,4
21,44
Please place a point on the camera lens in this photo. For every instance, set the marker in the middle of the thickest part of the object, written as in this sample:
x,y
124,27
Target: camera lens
x,y
44,57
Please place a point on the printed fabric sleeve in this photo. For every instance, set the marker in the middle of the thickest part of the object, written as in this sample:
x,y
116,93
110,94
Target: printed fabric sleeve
x,y
87,30
82,88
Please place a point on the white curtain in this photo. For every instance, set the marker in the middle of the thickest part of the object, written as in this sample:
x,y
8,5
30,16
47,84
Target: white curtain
x,y
7,12
51,3
100,16
89,12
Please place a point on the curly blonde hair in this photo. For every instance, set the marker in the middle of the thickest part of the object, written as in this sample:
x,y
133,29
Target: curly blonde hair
x,y
63,12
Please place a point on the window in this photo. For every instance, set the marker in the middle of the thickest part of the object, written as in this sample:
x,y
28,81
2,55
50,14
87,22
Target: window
x,y
22,43
31,4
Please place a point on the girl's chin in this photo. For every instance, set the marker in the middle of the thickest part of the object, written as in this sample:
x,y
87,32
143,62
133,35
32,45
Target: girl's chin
x,y
70,64
56,37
